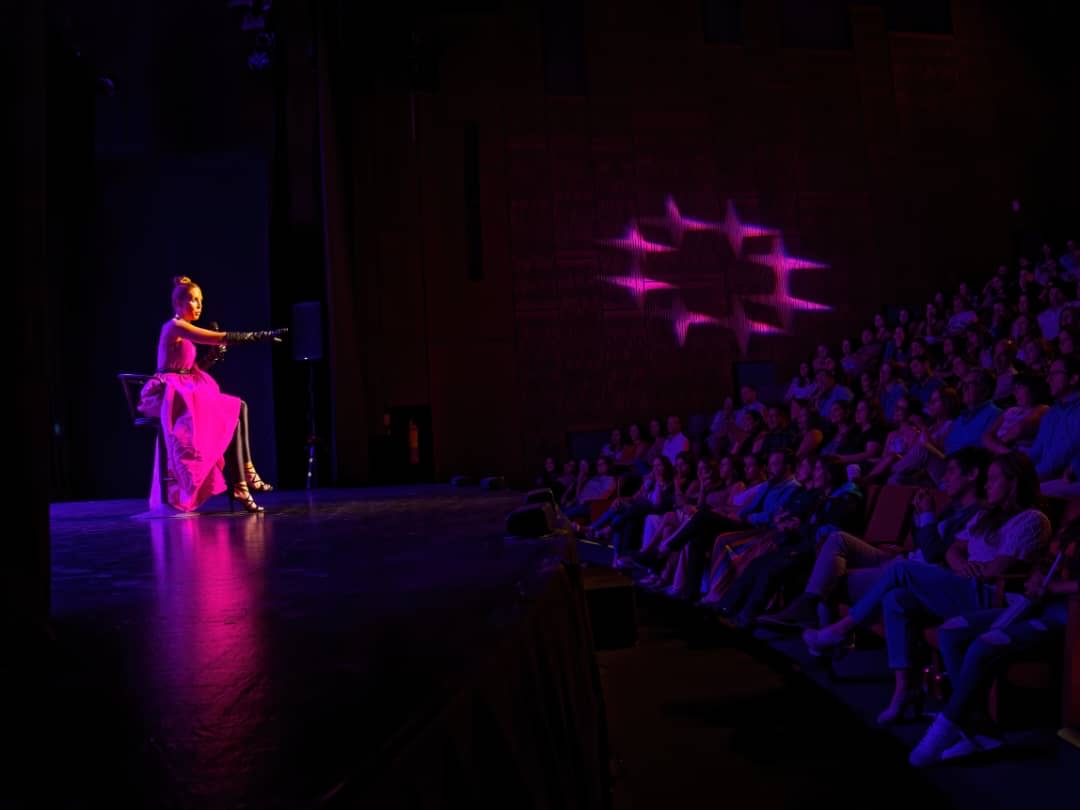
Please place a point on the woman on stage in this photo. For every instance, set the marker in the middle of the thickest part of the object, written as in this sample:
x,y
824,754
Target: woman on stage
x,y
206,431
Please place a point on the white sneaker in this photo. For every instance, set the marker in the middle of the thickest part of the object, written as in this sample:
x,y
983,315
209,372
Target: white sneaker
x,y
942,735
975,744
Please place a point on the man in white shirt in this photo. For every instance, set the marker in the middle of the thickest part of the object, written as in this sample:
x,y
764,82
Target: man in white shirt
x,y
675,442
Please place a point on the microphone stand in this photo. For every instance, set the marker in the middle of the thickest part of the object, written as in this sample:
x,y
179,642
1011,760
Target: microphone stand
x,y
313,436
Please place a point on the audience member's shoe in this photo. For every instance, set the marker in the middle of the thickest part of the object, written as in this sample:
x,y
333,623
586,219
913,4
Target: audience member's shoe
x,y
800,613
826,640
971,744
899,706
942,735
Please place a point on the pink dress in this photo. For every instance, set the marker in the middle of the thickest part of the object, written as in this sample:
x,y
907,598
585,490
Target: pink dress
x,y
198,422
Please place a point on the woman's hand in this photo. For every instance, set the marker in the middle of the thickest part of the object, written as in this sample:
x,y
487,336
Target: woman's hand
x,y
1033,587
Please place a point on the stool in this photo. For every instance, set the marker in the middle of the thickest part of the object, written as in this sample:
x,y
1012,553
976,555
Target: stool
x,y
133,385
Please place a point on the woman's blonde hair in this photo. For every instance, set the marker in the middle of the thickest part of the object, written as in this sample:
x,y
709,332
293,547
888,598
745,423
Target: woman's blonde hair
x,y
182,285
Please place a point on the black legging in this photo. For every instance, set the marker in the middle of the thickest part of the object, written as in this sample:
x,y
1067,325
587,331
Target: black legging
x,y
238,453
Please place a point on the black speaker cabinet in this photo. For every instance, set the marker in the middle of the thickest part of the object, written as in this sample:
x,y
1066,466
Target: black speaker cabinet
x,y
609,595
306,332
531,520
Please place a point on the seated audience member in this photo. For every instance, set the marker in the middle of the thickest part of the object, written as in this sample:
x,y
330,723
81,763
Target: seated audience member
x,y
869,351
903,319
863,442
1069,262
840,424
932,327
962,317
655,447
1056,449
698,533
978,414
1049,319
550,479
615,448
748,395
635,448
924,461
828,503
823,361
1066,340
974,650
1001,318
868,384
686,479
1004,366
829,392
922,383
1034,355
849,363
943,369
778,434
715,485
581,477
597,487
843,553
896,350
623,521
882,333
897,443
720,430
675,442
1016,427
1008,532
802,385
686,482
808,435
751,426
891,389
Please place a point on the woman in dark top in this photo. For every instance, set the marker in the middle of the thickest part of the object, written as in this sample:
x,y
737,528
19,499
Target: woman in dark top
x,y
864,442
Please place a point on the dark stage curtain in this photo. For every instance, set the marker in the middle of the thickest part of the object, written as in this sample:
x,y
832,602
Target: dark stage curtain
x,y
342,166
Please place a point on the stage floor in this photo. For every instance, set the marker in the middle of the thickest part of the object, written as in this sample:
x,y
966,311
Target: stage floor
x,y
229,659
271,661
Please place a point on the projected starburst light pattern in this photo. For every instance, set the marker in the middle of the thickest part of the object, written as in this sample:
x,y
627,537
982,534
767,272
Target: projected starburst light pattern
x,y
782,264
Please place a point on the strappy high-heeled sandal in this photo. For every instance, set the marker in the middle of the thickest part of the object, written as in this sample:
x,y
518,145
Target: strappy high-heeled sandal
x,y
242,495
255,483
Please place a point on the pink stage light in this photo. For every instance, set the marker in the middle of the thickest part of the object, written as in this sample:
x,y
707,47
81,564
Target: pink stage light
x,y
737,231
637,284
636,244
782,264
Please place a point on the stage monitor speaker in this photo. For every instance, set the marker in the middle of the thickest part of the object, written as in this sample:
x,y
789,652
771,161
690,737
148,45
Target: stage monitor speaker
x,y
541,495
306,333
612,610
531,520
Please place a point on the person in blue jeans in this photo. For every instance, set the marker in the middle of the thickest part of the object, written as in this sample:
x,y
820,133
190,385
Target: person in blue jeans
x,y
624,520
973,649
909,594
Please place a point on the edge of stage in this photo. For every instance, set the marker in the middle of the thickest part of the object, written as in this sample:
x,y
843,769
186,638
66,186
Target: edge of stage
x,y
385,644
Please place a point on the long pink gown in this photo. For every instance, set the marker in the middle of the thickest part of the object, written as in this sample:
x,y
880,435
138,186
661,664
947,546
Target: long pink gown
x,y
198,422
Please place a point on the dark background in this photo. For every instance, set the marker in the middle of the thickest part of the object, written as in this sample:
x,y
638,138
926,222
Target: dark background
x,y
438,177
